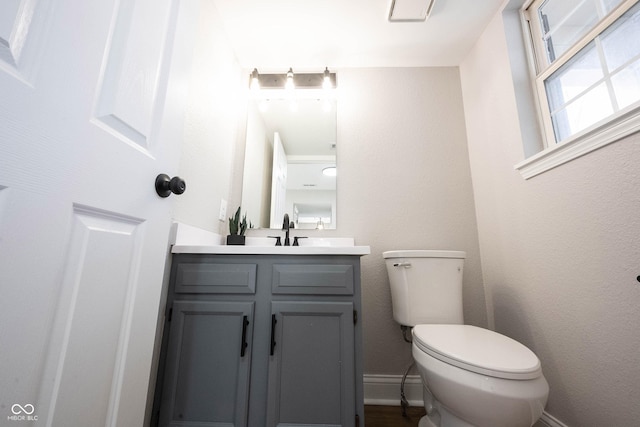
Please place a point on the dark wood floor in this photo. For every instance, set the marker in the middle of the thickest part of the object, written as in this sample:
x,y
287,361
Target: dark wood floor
x,y
391,416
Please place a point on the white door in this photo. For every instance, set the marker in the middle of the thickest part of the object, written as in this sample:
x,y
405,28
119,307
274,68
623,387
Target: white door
x,y
278,182
91,105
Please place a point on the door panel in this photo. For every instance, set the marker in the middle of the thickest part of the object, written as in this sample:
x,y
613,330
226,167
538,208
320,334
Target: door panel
x,y
16,18
83,236
130,87
97,293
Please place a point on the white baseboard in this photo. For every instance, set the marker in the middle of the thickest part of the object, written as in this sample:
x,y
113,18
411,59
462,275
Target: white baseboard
x,y
385,390
550,421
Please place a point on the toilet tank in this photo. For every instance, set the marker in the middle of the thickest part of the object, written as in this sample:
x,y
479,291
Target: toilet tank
x,y
426,286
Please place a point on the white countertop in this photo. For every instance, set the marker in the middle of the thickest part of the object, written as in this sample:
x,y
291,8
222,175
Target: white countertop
x,y
271,250
190,240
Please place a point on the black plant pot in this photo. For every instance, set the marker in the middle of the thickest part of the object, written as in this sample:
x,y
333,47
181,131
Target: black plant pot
x,y
235,239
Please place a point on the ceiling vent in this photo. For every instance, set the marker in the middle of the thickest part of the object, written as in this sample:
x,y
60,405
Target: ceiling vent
x,y
410,10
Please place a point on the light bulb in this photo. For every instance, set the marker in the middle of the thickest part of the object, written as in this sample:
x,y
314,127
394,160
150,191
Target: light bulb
x,y
289,85
326,81
255,80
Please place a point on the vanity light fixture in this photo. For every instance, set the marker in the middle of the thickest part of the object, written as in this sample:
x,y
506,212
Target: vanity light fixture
x,y
309,83
410,10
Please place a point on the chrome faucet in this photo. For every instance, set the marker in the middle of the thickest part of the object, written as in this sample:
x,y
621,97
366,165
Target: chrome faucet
x,y
285,226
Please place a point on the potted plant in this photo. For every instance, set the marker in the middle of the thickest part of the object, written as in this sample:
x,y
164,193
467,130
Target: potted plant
x,y
237,228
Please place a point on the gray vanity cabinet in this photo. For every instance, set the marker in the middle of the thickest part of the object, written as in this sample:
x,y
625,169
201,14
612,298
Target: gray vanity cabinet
x,y
312,365
262,341
204,336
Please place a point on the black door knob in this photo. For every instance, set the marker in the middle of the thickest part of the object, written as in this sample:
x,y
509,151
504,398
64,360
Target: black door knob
x,y
165,185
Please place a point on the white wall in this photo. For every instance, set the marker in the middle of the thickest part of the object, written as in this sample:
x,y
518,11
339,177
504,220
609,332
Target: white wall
x,y
404,183
560,252
212,127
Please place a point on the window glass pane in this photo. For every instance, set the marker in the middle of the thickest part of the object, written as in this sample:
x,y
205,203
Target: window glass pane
x,y
621,41
590,108
626,85
574,77
564,22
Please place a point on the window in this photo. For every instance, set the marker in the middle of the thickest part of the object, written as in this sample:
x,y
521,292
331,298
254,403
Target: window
x,y
586,55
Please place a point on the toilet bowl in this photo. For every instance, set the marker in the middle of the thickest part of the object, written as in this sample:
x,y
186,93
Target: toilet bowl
x,y
472,377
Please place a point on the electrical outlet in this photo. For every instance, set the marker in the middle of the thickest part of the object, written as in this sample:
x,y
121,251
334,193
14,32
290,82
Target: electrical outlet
x,y
223,210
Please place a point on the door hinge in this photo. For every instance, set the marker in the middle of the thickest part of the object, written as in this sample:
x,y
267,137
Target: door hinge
x,y
357,420
355,316
170,314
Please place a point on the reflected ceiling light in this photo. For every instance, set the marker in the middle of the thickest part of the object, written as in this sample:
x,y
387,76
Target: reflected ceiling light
x,y
329,171
410,10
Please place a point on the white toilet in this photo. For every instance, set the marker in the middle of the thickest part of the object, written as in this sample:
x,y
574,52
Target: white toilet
x,y
472,377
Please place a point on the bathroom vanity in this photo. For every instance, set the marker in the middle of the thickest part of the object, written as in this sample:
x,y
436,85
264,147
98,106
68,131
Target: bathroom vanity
x,y
262,336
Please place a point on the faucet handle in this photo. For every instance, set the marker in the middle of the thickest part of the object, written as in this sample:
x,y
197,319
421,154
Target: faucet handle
x,y
278,241
295,240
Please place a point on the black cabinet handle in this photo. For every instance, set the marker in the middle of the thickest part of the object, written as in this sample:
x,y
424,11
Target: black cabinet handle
x,y
243,345
273,332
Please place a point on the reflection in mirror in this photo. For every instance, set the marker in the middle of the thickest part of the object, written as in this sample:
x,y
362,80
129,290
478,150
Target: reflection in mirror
x,y
289,156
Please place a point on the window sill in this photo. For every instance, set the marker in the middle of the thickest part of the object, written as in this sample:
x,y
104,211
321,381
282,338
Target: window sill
x,y
581,144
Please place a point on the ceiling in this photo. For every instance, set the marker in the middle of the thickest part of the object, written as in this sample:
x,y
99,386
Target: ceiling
x,y
308,35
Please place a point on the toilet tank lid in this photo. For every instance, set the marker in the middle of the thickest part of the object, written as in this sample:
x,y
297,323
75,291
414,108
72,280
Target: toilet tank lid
x,y
478,350
424,253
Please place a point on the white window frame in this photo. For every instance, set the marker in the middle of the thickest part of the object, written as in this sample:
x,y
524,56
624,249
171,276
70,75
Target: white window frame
x,y
607,131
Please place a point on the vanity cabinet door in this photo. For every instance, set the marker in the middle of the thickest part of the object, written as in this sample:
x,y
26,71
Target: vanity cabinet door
x,y
207,369
311,364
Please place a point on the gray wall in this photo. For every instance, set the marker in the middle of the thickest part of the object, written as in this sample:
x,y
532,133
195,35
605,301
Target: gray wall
x,y
560,252
404,183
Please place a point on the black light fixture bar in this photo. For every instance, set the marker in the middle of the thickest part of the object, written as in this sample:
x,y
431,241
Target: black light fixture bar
x,y
301,80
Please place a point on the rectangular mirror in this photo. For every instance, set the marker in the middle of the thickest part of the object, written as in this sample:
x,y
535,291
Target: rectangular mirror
x,y
290,163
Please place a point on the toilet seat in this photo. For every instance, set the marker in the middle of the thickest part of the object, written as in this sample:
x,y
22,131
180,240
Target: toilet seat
x,y
477,350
